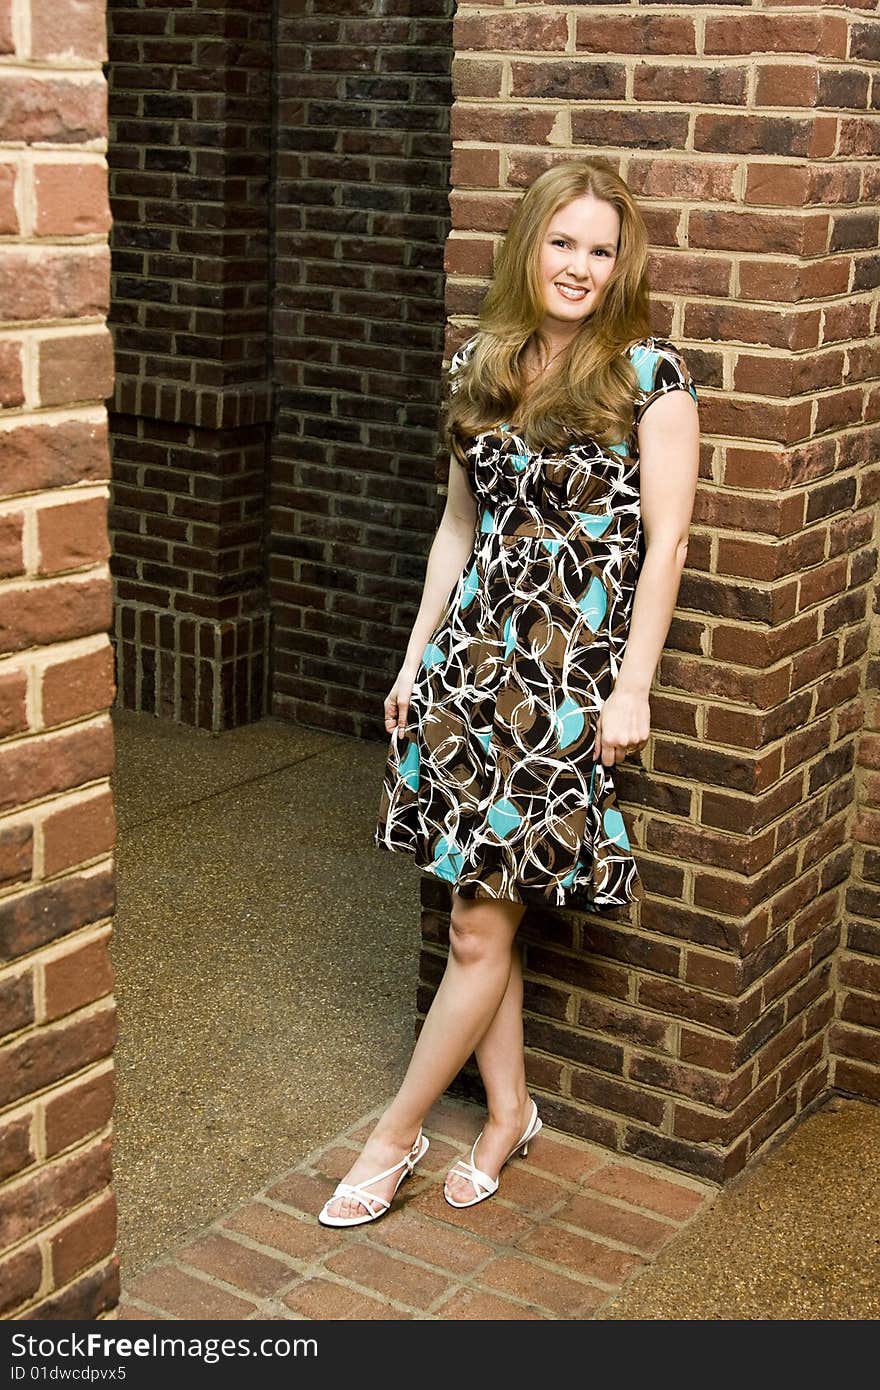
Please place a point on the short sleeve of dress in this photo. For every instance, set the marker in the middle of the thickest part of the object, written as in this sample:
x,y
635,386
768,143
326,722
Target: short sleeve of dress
x,y
660,368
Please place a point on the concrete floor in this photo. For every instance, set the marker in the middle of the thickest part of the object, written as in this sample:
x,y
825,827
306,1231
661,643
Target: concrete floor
x,y
251,900
252,913
796,1237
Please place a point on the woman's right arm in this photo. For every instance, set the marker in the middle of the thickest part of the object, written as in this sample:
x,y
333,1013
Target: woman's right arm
x,y
450,549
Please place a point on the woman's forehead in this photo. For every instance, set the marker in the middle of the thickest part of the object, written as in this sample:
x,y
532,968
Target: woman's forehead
x,y
587,218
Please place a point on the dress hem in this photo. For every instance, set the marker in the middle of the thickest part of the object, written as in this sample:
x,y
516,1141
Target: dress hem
x,y
534,897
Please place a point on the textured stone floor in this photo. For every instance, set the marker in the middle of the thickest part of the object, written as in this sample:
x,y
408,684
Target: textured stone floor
x,y
253,909
250,899
795,1237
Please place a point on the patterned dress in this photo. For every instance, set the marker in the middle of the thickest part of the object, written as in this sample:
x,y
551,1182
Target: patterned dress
x,y
492,784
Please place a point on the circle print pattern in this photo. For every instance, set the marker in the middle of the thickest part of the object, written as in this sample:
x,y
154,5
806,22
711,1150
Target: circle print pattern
x,y
492,785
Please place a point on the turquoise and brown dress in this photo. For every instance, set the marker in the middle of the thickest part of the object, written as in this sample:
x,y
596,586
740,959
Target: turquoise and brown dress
x,y
492,784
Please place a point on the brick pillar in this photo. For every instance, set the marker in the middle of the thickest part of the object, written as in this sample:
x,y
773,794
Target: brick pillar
x,y
362,215
691,1029
855,1035
190,102
57,1214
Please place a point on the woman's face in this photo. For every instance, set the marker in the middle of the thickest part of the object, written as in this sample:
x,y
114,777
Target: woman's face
x,y
577,254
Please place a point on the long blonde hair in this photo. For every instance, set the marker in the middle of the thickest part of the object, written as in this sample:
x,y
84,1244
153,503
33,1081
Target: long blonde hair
x,y
592,390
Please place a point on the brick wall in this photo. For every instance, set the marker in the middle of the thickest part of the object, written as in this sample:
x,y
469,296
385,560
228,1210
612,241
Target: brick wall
x,y
855,1035
57,1215
855,1044
361,217
191,120
692,1029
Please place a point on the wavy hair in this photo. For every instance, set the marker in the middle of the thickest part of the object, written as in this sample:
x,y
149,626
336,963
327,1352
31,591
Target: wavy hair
x,y
593,389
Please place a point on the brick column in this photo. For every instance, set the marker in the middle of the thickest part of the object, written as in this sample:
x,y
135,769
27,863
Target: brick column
x,y
362,215
690,1030
855,1035
190,101
57,1214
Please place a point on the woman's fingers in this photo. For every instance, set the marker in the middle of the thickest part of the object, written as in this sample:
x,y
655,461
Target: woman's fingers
x,y
611,753
396,708
622,727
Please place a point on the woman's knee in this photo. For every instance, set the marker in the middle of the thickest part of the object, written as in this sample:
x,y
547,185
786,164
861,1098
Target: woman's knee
x,y
480,929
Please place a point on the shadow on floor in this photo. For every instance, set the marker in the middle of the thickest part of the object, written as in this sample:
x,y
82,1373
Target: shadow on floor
x,y
266,957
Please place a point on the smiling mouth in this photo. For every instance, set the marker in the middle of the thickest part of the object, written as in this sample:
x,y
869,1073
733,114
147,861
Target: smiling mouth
x,y
575,293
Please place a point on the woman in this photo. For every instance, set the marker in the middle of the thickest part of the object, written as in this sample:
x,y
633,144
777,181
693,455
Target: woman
x,y
575,452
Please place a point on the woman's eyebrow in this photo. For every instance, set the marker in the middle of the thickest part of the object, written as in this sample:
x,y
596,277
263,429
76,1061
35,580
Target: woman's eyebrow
x,y
604,245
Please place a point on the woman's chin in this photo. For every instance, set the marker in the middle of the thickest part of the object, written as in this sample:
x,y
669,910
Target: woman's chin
x,y
567,316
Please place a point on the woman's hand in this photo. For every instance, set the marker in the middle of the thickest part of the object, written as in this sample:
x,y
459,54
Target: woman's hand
x,y
398,698
623,727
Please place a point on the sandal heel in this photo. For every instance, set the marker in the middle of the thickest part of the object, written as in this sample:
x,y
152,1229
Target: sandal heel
x,y
483,1184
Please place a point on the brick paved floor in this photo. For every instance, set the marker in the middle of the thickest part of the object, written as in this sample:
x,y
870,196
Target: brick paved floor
x,y
568,1227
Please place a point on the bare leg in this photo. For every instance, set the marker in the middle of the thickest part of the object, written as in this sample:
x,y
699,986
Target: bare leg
x,y
501,1060
474,983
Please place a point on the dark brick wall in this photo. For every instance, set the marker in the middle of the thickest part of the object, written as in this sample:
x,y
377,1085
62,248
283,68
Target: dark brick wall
x,y
190,148
359,213
190,157
362,215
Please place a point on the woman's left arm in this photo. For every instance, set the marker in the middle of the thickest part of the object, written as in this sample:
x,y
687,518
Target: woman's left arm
x,y
669,454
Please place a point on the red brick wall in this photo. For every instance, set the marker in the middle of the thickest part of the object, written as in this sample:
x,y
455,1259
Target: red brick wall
x,y
855,1036
191,117
361,217
57,1215
692,1029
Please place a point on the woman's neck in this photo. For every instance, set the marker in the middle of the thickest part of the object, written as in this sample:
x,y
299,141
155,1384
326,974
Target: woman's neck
x,y
552,341
546,346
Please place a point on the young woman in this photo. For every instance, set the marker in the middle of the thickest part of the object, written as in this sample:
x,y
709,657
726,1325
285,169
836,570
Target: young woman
x,y
549,591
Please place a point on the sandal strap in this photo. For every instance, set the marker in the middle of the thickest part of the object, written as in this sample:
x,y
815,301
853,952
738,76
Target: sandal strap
x,y
358,1190
480,1181
360,1194
531,1128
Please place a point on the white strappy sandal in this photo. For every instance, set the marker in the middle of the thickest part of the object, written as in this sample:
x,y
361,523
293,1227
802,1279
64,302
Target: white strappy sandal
x,y
376,1206
483,1185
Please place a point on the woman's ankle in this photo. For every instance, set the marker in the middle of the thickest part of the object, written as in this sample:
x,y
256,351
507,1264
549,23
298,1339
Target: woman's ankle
x,y
509,1112
396,1134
